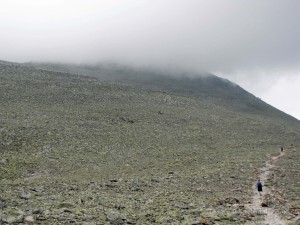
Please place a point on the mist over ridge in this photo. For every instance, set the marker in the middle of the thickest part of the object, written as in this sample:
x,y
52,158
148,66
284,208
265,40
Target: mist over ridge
x,y
108,146
252,43
203,85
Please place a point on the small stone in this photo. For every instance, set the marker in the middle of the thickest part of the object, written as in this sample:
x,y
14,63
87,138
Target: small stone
x,y
73,188
29,220
119,206
123,217
112,185
155,179
135,188
113,180
9,219
37,211
13,219
241,206
66,205
47,212
42,218
3,161
280,200
202,220
181,205
68,210
25,196
2,205
112,216
116,218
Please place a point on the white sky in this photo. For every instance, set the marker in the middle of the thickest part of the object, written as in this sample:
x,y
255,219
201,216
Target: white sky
x,y
254,43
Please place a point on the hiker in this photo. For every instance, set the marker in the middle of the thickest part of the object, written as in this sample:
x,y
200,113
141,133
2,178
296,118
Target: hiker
x,y
259,186
281,149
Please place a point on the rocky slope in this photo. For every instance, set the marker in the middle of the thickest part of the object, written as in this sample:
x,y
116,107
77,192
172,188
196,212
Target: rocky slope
x,y
78,150
205,86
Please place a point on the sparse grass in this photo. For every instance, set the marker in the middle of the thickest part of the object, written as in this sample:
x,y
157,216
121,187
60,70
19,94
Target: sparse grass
x,y
172,156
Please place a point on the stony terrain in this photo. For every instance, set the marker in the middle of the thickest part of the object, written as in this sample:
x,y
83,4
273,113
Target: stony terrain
x,y
78,150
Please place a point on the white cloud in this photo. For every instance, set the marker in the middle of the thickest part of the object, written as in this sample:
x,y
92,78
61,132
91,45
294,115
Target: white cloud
x,y
278,88
284,94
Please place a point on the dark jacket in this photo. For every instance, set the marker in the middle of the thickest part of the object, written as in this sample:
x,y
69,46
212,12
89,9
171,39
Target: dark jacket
x,y
259,186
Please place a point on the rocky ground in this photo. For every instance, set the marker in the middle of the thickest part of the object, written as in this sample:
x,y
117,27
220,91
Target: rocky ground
x,y
116,201
75,150
285,185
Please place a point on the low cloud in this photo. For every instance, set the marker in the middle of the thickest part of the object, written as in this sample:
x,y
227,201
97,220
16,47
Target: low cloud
x,y
245,41
212,35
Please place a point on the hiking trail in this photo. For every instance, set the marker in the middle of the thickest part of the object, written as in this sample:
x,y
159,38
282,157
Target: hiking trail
x,y
271,217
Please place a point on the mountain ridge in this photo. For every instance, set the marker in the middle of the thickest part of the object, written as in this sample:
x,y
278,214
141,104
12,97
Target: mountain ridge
x,y
200,85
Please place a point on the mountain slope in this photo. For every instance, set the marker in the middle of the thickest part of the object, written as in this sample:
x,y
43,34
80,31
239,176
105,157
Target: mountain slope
x,y
79,149
207,86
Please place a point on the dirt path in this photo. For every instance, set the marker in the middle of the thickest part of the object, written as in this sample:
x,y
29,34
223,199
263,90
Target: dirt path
x,y
271,217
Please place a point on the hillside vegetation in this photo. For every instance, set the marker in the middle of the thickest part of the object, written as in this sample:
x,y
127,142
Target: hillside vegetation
x,y
79,149
206,86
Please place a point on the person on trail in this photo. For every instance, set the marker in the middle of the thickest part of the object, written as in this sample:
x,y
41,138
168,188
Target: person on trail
x,y
259,186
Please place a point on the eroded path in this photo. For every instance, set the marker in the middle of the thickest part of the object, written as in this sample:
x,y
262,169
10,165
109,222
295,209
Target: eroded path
x,y
271,217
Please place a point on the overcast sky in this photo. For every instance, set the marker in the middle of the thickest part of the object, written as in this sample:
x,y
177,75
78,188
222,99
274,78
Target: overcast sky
x,y
254,43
